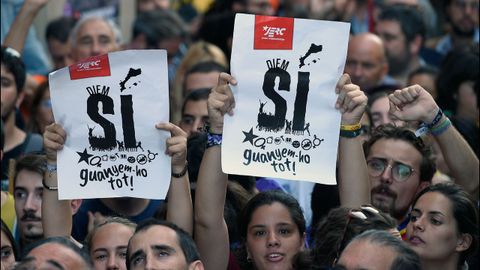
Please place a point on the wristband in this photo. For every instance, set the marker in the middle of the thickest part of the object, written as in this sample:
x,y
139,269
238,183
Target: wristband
x,y
355,127
437,119
48,187
182,173
350,133
214,139
51,168
441,128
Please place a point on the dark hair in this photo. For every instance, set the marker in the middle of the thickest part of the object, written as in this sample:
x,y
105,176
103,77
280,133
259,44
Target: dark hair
x,y
2,138
37,99
159,25
457,67
15,65
409,18
464,211
196,95
268,198
429,70
9,235
333,234
64,242
406,258
60,28
427,166
185,241
202,67
31,162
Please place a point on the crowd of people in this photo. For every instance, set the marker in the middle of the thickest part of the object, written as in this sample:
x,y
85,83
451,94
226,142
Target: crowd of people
x,y
407,193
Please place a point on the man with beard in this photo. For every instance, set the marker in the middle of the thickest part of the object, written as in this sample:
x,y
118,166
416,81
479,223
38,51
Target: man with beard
x,y
464,32
27,191
403,31
400,164
17,141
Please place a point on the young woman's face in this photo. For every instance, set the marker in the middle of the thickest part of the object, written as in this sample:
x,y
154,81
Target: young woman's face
x,y
273,238
109,246
432,231
8,257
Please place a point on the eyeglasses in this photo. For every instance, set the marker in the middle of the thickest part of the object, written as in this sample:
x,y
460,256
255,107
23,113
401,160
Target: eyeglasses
x,y
353,213
400,172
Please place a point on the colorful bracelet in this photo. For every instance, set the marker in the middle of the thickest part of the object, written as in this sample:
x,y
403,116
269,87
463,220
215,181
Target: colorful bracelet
x,y
350,133
355,127
441,128
213,139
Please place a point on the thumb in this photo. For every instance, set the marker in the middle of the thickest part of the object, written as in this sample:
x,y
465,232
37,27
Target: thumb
x,y
225,78
394,110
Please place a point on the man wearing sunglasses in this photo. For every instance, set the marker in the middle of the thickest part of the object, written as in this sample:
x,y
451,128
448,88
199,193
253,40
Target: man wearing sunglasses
x,y
400,164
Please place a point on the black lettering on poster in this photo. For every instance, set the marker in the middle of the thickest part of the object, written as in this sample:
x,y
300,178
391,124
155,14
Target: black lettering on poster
x,y
282,131
116,162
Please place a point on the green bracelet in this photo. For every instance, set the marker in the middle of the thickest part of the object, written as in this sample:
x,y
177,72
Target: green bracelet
x,y
350,133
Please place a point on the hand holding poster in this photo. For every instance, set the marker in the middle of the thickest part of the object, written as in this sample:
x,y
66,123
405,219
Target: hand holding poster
x,y
109,107
285,123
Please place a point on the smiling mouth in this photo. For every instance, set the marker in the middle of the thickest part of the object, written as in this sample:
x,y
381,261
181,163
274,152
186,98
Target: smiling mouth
x,y
275,257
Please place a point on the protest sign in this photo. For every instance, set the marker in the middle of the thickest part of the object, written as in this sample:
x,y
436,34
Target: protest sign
x,y
108,106
285,124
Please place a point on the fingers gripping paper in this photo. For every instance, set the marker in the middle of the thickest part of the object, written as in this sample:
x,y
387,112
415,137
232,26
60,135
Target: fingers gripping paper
x,y
285,124
108,106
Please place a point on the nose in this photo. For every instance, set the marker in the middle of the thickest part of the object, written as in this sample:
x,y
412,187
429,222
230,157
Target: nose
x,y
386,176
273,240
112,263
418,224
358,70
96,48
31,204
197,124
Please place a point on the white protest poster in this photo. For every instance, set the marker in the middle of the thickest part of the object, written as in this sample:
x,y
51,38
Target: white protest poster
x,y
285,124
108,106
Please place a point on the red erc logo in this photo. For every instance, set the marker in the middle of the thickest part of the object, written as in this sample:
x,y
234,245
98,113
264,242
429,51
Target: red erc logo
x,y
273,33
96,66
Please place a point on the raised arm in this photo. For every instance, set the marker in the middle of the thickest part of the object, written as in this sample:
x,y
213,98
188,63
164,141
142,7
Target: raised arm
x,y
353,182
56,214
211,232
179,206
414,103
17,34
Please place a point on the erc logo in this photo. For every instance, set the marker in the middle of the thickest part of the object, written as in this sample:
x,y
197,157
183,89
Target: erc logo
x,y
89,65
273,31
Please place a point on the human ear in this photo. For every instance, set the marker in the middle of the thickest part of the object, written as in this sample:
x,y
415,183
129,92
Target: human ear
x,y
464,242
196,265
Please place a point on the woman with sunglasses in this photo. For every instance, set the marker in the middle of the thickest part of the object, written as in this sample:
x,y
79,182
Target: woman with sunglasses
x,y
443,227
271,224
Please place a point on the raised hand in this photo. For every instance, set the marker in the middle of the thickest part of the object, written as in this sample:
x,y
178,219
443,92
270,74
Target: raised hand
x,y
176,145
53,140
221,101
351,100
413,103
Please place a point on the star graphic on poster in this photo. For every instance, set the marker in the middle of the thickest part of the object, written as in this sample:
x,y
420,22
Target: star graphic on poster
x,y
84,156
249,136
